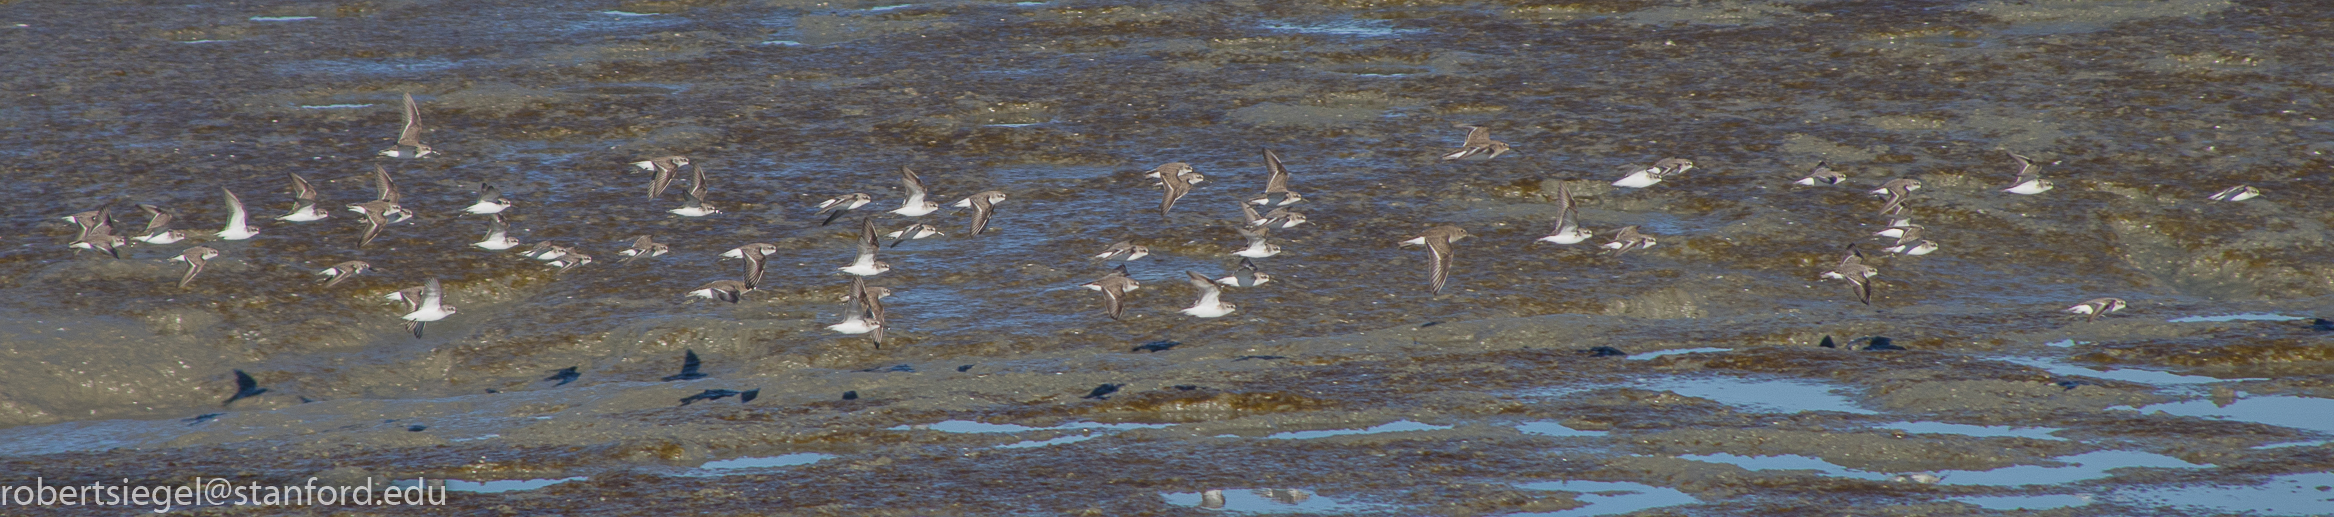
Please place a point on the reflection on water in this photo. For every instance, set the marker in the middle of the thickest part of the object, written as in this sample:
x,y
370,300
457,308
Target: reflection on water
x,y
783,460
2250,316
1609,497
2037,433
2128,375
1265,501
1391,427
2315,414
2291,494
2028,502
499,486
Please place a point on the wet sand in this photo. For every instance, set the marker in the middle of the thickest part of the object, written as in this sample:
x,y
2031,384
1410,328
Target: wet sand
x,y
1484,398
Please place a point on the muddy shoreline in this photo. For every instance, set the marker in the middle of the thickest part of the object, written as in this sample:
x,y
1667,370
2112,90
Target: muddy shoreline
x,y
1341,388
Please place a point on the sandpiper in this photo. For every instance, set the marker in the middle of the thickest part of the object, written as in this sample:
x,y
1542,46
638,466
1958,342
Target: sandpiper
x,y
1858,275
570,260
1897,226
915,205
1438,241
1114,287
2030,180
1567,229
490,201
194,258
1660,170
984,205
1278,218
1124,250
409,136
1210,303
498,235
1176,185
1822,175
545,251
859,317
1627,239
1909,242
2236,193
763,248
842,205
865,264
664,168
376,216
101,238
344,271
696,205
2096,307
913,232
1898,191
158,227
1246,276
92,220
1478,146
432,307
1276,184
305,202
724,290
1257,245
643,246
238,221
756,262
1181,170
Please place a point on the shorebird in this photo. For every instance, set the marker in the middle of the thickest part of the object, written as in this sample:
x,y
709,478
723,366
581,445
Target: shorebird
x,y
498,235
1438,241
913,232
1909,242
1858,275
2236,193
1478,146
915,205
763,248
1278,218
1257,245
1114,287
1177,185
343,271
194,258
642,246
662,168
490,201
1567,228
724,290
1124,250
862,316
432,307
1276,184
866,265
2029,180
696,205
2096,307
570,260
100,238
1822,175
1660,170
842,205
1181,170
756,261
984,205
1210,303
158,227
409,136
545,251
1627,239
92,221
305,202
238,221
1898,190
1246,276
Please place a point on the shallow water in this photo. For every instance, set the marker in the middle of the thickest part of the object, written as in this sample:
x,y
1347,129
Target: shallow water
x,y
1322,380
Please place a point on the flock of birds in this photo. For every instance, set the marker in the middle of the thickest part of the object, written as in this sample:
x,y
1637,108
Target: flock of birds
x,y
865,312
